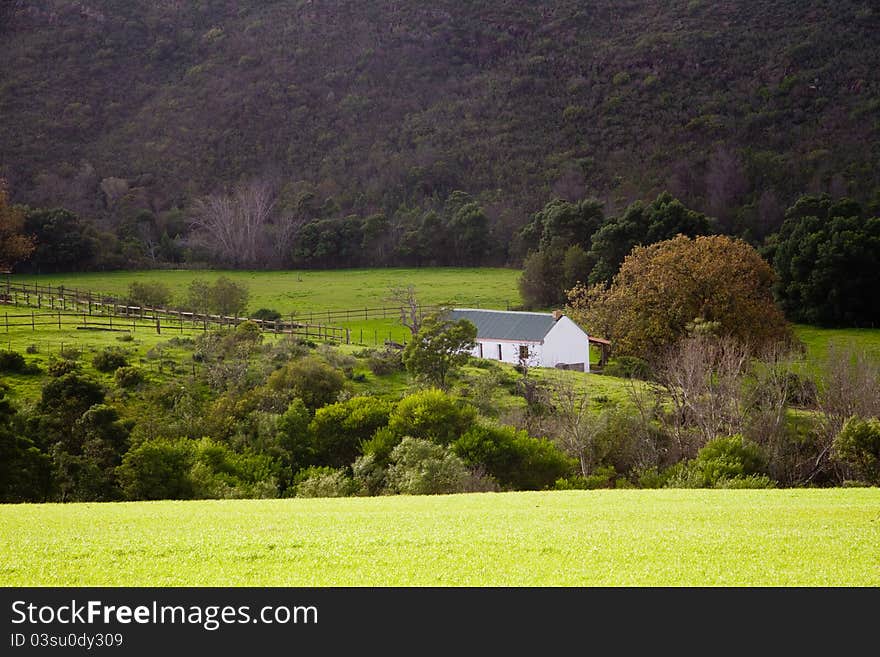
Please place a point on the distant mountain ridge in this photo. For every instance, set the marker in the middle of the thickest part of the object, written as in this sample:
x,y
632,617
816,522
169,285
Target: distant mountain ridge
x,y
737,107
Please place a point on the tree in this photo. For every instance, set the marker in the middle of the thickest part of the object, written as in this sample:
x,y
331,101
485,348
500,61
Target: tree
x,y
63,241
641,225
233,228
338,430
827,260
440,346
25,471
662,289
223,297
410,308
858,444
15,244
431,415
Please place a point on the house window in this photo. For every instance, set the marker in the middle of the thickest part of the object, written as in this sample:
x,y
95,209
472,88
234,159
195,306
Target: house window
x,y
524,352
499,352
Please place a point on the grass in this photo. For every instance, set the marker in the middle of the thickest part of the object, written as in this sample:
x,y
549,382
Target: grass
x,y
817,341
572,538
302,291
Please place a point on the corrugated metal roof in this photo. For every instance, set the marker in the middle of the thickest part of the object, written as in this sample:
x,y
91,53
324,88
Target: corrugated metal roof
x,y
507,324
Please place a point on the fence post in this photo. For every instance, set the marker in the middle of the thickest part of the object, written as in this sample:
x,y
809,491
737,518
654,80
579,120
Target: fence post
x,y
347,336
59,320
158,327
33,322
7,322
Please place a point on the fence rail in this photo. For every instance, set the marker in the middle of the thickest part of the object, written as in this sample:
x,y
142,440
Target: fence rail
x,y
59,305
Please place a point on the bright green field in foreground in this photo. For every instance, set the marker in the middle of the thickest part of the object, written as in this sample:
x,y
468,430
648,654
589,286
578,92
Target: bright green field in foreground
x,y
572,538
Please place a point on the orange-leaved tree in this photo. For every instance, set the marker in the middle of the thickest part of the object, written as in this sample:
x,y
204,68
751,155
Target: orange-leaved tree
x,y
15,245
668,289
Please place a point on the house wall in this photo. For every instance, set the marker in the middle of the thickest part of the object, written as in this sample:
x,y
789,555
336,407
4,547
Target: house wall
x,y
566,343
509,351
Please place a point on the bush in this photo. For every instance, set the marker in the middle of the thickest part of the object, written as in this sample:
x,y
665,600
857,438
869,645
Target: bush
x,y
419,467
858,445
61,366
128,377
149,293
369,475
514,458
324,482
431,415
14,362
266,315
628,367
338,430
385,361
601,477
32,349
109,360
728,462
310,379
158,469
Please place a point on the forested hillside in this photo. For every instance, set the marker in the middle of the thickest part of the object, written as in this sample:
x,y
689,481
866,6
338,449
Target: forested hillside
x,y
128,112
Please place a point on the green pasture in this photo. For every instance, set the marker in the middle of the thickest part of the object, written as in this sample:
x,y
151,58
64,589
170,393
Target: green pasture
x,y
573,538
817,341
303,291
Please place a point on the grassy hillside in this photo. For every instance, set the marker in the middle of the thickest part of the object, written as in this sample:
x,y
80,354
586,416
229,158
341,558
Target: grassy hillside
x,y
582,538
737,107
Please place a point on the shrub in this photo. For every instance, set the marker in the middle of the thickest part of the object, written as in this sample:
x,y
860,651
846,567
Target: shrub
x,y
125,337
419,467
61,366
338,430
310,379
369,474
324,482
109,360
149,293
628,367
14,362
32,349
601,477
431,415
722,463
381,445
385,361
266,315
158,469
858,445
514,458
128,377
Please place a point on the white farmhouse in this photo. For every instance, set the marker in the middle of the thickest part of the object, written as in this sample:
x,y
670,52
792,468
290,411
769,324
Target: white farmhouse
x,y
544,339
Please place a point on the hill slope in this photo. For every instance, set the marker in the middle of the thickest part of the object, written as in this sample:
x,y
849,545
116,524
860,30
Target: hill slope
x,y
736,106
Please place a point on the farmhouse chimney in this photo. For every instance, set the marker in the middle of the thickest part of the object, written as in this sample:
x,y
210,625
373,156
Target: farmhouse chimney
x,y
557,315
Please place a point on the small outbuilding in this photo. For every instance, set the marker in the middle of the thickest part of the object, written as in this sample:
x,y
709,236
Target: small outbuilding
x,y
540,339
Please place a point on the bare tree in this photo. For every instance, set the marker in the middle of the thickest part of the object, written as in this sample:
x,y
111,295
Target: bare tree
x,y
702,377
850,387
578,427
233,227
410,309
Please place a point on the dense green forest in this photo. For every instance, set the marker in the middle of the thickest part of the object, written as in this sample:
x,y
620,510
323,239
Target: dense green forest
x,y
418,131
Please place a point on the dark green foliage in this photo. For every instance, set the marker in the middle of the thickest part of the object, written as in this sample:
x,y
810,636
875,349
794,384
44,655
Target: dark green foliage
x,y
440,346
431,415
109,359
827,261
266,315
858,445
25,471
64,242
385,361
515,459
324,482
513,102
380,446
628,367
310,379
601,477
14,363
188,469
420,467
61,366
158,470
149,293
128,377
338,430
68,396
731,462
640,225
